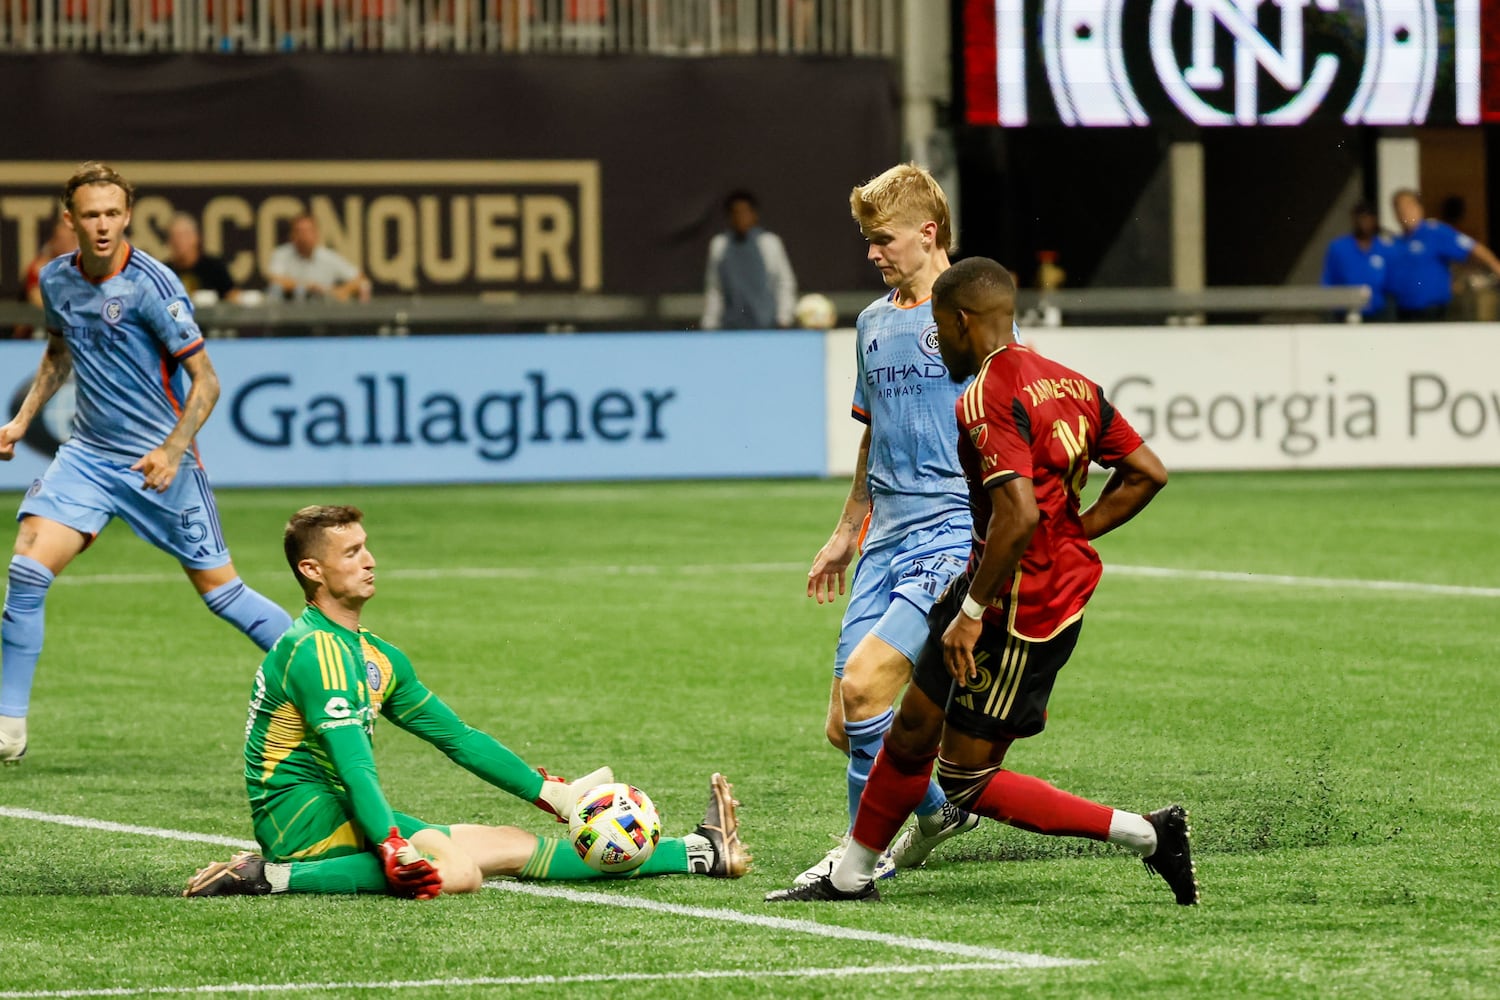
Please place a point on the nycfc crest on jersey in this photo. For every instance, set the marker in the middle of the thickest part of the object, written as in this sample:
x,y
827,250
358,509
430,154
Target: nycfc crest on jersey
x,y
904,393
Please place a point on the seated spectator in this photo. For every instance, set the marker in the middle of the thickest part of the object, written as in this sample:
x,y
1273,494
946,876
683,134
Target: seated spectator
x,y
1360,257
1420,281
749,284
199,272
306,269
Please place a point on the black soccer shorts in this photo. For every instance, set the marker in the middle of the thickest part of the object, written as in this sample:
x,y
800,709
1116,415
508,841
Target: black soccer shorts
x,y
1008,700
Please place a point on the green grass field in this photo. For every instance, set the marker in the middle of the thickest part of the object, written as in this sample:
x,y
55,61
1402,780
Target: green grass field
x,y
1337,745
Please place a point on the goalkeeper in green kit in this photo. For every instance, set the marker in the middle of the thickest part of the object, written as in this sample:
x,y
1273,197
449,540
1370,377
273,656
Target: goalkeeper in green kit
x,y
320,817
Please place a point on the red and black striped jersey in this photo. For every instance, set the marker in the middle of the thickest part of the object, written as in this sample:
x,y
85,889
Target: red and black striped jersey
x,y
1027,416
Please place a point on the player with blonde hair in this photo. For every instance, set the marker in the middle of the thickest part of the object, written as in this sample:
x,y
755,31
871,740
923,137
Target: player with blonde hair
x,y
907,506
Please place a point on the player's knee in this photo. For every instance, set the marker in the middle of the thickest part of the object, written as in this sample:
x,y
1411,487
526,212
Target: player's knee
x,y
834,730
906,755
458,871
460,874
915,732
863,695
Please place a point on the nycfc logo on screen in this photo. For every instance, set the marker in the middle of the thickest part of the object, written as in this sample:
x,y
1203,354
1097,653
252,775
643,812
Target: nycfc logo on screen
x,y
1214,93
1247,62
113,310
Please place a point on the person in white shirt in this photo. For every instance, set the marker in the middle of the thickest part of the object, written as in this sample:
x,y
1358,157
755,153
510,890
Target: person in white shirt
x,y
748,284
306,269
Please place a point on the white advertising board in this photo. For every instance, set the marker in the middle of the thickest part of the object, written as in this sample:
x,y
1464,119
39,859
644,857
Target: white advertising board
x,y
1281,397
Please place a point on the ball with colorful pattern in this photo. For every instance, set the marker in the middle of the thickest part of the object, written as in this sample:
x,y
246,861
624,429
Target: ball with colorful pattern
x,y
614,827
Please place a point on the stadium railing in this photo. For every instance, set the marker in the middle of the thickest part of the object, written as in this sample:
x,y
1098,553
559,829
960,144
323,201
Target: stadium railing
x,y
569,312
657,27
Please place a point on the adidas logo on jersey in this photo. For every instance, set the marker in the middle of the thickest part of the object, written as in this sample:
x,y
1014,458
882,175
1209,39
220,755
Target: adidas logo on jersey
x,y
874,346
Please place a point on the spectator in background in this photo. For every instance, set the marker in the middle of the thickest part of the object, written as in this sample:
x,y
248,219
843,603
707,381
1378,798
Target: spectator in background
x,y
1420,281
62,240
199,272
306,269
749,284
1362,257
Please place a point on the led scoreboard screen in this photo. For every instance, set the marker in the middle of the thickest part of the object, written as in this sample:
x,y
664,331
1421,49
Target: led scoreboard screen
x,y
1231,62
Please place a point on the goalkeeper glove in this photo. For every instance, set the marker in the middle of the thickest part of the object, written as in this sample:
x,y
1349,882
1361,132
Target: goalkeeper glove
x,y
407,873
559,795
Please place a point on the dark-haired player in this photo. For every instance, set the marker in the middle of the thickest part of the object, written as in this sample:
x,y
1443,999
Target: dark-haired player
x,y
120,323
320,817
1028,430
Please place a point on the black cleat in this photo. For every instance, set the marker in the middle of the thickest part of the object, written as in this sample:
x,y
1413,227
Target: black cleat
x,y
822,890
242,875
1173,859
720,827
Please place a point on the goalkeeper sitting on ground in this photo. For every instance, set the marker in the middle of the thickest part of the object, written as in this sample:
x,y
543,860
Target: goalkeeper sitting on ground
x,y
322,822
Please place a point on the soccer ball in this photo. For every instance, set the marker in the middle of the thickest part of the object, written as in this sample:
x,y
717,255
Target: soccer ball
x,y
815,312
614,828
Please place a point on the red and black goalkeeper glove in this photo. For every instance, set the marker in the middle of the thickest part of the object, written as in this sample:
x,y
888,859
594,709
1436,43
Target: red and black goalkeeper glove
x,y
407,873
556,796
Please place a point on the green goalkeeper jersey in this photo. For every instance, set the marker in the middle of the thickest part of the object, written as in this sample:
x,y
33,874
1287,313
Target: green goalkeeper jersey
x,y
312,719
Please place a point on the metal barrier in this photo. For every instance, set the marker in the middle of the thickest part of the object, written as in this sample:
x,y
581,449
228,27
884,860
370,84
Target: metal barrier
x,y
658,27
568,312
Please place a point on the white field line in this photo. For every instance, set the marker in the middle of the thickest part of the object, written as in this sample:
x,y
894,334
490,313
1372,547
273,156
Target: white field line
x,y
1019,959
1319,582
847,971
86,823
793,569
1006,959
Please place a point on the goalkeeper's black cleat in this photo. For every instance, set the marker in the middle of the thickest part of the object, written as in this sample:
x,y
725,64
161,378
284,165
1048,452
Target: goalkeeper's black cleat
x,y
242,875
822,889
1173,859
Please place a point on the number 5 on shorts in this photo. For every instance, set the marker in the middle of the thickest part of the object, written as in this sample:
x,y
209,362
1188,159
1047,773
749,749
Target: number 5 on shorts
x,y
194,529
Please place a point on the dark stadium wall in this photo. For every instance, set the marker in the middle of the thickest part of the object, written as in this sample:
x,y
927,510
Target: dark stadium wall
x,y
1096,196
1072,191
669,137
1266,192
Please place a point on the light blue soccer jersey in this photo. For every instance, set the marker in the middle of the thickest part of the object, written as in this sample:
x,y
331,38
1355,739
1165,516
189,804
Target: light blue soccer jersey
x,y
903,392
128,335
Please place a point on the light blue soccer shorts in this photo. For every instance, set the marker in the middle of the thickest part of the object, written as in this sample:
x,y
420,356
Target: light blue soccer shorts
x,y
85,489
896,584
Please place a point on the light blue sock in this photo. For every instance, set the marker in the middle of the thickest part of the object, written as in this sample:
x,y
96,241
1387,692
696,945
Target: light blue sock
x,y
249,612
21,629
933,800
864,743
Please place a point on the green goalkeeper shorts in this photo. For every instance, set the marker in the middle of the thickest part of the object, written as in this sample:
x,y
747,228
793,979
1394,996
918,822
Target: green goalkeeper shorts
x,y
310,824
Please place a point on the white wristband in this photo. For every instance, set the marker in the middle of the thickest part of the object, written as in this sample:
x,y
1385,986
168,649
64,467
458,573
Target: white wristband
x,y
972,608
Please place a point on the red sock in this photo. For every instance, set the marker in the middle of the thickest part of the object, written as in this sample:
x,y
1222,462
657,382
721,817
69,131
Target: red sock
x,y
894,789
1032,804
